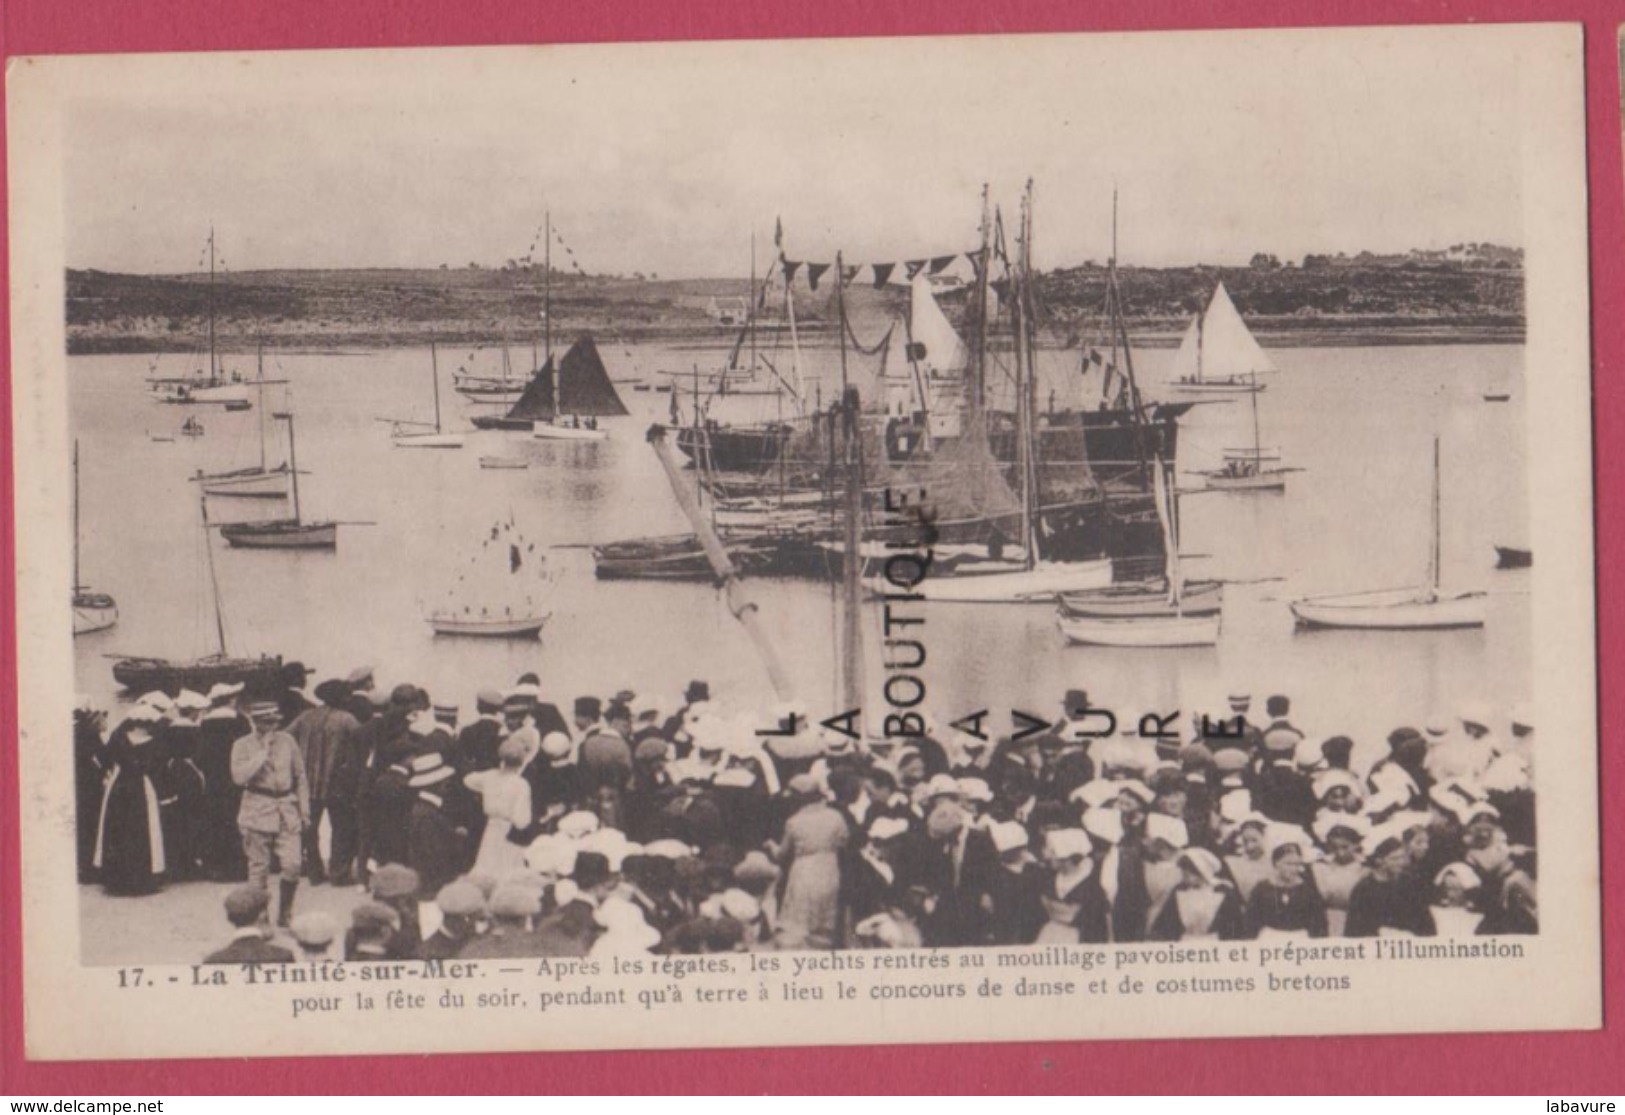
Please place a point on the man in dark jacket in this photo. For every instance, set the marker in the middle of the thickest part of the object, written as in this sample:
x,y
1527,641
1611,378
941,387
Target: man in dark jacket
x,y
572,929
245,909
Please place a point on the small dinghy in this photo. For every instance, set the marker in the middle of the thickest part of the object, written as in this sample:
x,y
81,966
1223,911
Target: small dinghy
x,y
504,462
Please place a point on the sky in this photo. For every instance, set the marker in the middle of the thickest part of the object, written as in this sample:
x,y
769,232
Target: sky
x,y
666,158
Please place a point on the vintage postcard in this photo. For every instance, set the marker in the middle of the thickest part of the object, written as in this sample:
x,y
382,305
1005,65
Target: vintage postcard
x,y
765,543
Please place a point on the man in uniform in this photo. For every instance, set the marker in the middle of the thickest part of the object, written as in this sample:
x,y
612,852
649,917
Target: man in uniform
x,y
276,802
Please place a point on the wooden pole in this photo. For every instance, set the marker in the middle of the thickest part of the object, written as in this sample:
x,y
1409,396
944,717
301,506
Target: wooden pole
x,y
744,609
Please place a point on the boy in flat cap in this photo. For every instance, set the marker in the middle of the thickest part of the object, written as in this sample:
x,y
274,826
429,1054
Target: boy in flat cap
x,y
245,909
276,802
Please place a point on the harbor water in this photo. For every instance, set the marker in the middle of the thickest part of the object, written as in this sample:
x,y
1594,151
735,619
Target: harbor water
x,y
1358,422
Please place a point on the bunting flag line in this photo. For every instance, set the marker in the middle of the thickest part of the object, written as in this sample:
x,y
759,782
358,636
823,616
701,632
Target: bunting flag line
x,y
791,266
883,273
851,273
815,271
914,267
940,263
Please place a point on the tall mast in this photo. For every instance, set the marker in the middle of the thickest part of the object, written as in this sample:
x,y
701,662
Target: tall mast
x,y
979,360
1258,452
851,629
799,387
1434,574
76,581
259,362
1025,384
293,468
547,285
213,374
840,317
214,579
434,369
750,309
1201,341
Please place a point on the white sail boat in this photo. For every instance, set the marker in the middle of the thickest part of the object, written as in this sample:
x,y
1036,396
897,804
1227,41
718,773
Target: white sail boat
x,y
1244,472
210,386
500,593
1426,607
1218,352
420,435
92,611
1173,625
254,482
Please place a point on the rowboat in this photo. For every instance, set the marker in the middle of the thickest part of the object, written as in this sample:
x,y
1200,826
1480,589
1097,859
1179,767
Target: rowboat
x,y
489,627
504,462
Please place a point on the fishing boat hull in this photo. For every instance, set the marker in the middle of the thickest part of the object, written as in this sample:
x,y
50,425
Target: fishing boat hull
x,y
225,394
281,534
1209,386
549,432
1267,480
1145,600
249,484
501,422
970,584
92,612
1141,631
428,441
734,448
259,676
1397,610
1508,558
489,627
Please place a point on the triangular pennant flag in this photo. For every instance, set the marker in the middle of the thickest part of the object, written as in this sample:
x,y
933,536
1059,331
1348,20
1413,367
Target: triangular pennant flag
x,y
940,263
1001,287
850,273
815,271
914,267
883,273
791,266
778,232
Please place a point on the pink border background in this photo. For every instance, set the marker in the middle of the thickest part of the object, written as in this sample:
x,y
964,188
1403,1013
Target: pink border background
x,y
1552,1064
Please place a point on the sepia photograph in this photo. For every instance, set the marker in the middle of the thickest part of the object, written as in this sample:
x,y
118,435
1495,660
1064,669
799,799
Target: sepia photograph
x,y
872,525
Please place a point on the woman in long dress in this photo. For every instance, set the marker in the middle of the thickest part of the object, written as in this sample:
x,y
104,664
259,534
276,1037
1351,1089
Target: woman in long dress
x,y
1340,871
1204,907
814,837
1287,903
505,797
129,833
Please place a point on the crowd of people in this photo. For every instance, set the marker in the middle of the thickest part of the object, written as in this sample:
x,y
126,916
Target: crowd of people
x,y
692,827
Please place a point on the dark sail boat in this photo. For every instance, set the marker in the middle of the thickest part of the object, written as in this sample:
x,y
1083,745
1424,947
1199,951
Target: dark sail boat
x,y
534,405
260,676
585,394
284,534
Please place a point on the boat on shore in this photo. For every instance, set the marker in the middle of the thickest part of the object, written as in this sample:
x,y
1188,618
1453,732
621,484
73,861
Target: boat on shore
x,y
92,611
1427,607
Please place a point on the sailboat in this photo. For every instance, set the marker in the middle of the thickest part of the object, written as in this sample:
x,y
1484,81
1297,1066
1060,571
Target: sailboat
x,y
284,534
585,394
260,676
254,482
1426,607
420,435
1172,625
1247,472
490,389
92,611
210,386
192,427
497,597
1218,352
